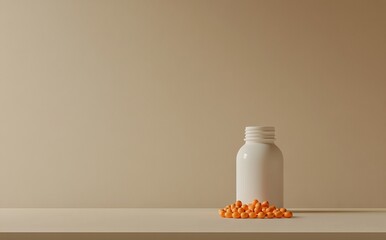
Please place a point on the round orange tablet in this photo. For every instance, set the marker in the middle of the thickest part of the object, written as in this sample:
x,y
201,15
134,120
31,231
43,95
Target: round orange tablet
x,y
265,204
258,207
261,215
288,214
221,212
271,209
240,210
278,214
236,215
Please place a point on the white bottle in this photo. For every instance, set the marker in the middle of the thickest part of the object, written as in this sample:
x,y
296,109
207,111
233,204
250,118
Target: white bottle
x,y
259,167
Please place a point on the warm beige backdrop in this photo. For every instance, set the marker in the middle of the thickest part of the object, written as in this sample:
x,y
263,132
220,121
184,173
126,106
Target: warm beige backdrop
x,y
144,103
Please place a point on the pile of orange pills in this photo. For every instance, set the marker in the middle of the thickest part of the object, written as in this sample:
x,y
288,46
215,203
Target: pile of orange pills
x,y
255,209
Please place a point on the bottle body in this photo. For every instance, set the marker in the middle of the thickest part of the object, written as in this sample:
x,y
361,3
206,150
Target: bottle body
x,y
259,169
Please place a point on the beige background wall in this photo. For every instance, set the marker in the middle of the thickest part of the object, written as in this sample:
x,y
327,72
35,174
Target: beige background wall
x,y
144,103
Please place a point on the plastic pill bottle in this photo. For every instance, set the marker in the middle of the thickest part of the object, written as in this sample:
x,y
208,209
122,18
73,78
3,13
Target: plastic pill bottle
x,y
259,167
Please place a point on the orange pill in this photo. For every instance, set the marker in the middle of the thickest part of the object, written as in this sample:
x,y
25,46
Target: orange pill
x,y
265,204
261,215
241,210
258,207
238,203
222,214
244,215
228,214
278,214
288,214
252,215
270,215
236,215
283,210
271,209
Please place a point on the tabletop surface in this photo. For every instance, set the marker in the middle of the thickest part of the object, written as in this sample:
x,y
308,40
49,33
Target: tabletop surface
x,y
186,220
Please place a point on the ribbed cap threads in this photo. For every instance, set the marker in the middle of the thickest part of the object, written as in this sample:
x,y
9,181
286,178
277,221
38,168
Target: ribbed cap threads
x,y
263,134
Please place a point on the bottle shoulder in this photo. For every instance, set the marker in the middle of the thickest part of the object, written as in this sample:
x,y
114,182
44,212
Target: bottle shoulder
x,y
259,149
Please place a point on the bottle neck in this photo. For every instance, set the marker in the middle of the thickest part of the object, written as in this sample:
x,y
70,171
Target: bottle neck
x,y
259,134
